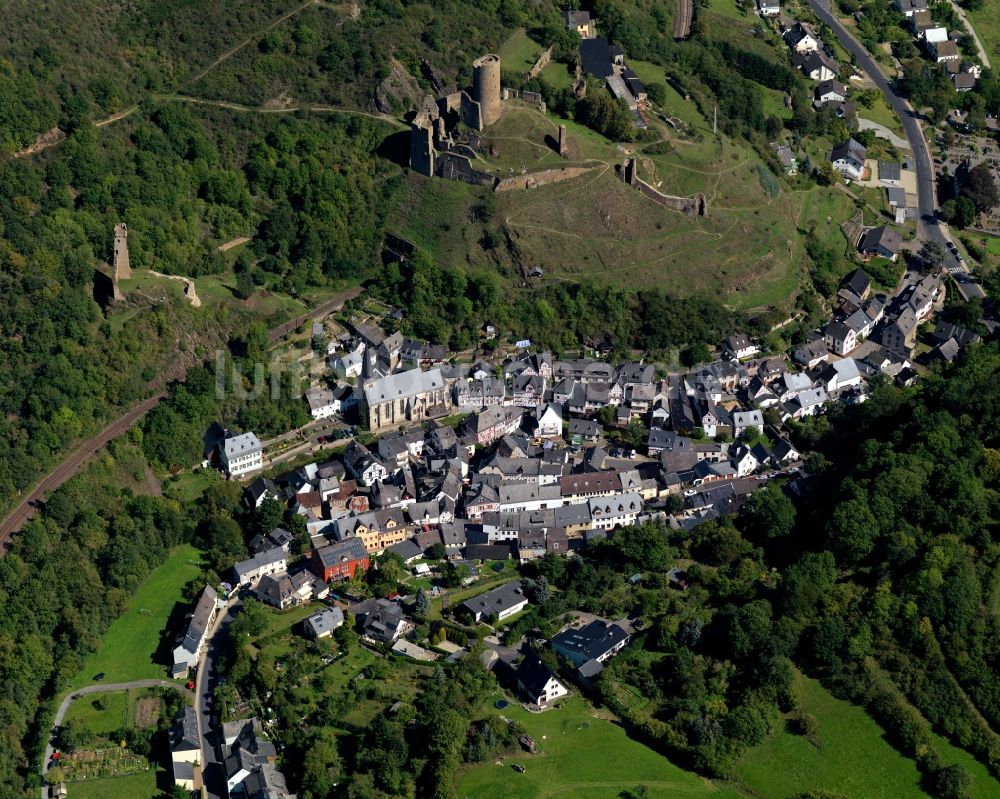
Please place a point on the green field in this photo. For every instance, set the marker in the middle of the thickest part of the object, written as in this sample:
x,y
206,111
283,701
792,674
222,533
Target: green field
x,y
986,22
852,758
134,786
99,721
519,53
881,113
984,785
127,649
581,754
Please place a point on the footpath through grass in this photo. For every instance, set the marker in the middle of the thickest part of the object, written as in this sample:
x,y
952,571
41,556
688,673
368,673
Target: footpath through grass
x,y
128,648
583,756
852,758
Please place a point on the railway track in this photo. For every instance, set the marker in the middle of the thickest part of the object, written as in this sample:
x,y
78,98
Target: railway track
x,y
71,466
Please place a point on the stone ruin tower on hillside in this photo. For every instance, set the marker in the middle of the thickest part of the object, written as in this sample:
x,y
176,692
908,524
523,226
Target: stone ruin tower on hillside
x,y
121,269
483,108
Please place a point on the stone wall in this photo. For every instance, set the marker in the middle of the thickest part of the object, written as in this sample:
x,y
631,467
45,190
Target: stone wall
x,y
695,205
544,178
452,166
540,64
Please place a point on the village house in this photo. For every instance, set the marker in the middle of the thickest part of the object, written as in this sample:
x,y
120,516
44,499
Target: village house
x,y
191,643
271,561
848,158
580,430
617,510
340,560
381,620
769,8
185,750
362,465
322,403
322,624
240,455
739,347
811,354
548,421
743,460
498,604
493,423
590,647
350,364
536,682
816,65
910,7
881,242
478,394
801,39
840,338
830,91
747,421
580,22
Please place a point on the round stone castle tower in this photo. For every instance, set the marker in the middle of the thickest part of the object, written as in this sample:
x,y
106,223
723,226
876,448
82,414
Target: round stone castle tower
x,y
486,87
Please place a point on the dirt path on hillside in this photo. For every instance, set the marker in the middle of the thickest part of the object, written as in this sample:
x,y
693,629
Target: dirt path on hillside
x,y
289,109
233,243
230,53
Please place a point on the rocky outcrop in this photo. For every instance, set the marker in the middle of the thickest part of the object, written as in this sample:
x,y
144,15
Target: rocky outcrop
x,y
399,91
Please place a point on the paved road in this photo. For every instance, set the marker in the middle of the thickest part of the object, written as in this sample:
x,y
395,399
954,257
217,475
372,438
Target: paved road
x,y
99,688
883,132
69,467
928,226
213,772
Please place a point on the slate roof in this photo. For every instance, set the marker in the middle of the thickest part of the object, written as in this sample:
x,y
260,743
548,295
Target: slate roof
x,y
592,641
402,385
880,237
198,624
184,733
533,674
327,619
595,55
237,446
888,170
498,600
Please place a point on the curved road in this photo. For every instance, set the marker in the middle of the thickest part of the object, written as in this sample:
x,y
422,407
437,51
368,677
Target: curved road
x,y
69,467
928,226
100,688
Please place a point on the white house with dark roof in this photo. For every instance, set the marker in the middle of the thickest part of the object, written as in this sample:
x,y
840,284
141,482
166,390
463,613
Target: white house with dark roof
x,y
241,455
536,682
744,421
848,158
185,749
618,510
500,603
271,561
322,402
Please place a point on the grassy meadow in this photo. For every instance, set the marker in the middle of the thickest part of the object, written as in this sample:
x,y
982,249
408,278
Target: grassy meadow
x,y
583,754
133,786
851,756
128,648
